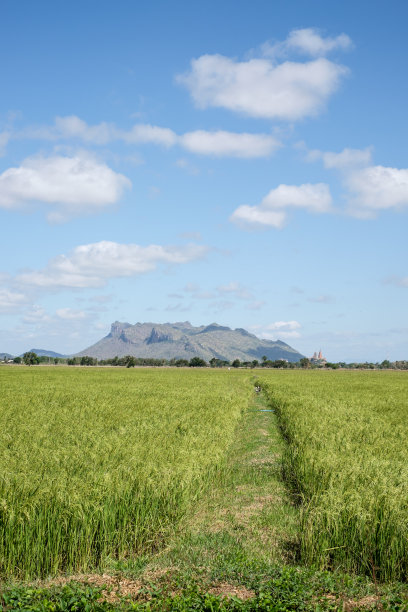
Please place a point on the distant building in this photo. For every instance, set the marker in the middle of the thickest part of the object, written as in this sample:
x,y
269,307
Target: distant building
x,y
318,358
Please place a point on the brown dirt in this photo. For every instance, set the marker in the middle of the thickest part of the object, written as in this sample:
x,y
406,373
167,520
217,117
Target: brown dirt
x,y
231,590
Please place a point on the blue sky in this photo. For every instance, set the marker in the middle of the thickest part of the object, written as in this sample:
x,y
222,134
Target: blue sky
x,y
243,163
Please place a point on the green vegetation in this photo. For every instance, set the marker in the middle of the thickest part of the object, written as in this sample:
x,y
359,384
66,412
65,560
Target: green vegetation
x,y
103,462
178,491
347,461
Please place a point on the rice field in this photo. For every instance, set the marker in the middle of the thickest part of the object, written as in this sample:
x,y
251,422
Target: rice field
x,y
100,462
347,461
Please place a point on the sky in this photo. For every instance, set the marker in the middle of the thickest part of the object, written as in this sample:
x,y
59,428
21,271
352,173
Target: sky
x,y
244,163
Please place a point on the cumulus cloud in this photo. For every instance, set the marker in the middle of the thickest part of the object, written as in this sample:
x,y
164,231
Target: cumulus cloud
x,y
311,42
92,265
377,188
371,188
221,144
271,212
74,185
262,87
215,143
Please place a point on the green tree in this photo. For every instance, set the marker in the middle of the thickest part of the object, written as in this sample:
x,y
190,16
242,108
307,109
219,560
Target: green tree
x,y
17,360
129,361
31,358
197,362
236,363
304,362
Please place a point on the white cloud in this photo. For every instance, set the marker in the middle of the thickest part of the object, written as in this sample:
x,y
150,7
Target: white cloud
x,y
377,188
74,127
10,301
70,314
36,315
216,143
309,40
143,134
348,158
261,87
92,265
278,330
221,144
271,212
74,184
283,326
370,188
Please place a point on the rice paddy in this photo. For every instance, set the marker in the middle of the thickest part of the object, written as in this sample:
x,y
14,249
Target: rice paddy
x,y
97,463
103,464
347,461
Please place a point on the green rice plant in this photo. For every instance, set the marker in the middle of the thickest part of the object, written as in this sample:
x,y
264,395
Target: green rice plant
x,y
103,462
347,460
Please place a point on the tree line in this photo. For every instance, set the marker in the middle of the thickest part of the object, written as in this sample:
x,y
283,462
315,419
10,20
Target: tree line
x,y
129,361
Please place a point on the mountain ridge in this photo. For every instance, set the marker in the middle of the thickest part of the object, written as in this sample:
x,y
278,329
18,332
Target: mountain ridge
x,y
181,340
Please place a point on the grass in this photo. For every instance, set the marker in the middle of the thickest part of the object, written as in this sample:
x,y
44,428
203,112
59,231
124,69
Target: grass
x,y
347,460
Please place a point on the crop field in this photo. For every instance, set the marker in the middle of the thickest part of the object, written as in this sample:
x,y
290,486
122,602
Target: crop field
x,y
100,462
184,474
347,461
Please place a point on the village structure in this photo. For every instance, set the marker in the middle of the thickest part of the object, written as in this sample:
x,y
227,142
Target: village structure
x,y
318,358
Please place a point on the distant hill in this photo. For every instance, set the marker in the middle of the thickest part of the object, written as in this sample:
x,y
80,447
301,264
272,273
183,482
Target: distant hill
x,y
184,341
44,353
6,356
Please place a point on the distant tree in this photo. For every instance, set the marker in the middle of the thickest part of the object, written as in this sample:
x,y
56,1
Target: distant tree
x,y
87,361
386,364
213,362
181,363
129,361
197,362
264,358
254,363
304,362
31,358
17,360
236,363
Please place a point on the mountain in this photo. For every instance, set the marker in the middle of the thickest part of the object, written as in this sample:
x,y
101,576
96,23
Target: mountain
x,y
184,341
44,353
5,356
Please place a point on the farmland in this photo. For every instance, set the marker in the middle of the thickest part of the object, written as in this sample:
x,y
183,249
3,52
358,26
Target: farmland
x,y
99,462
347,460
189,476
